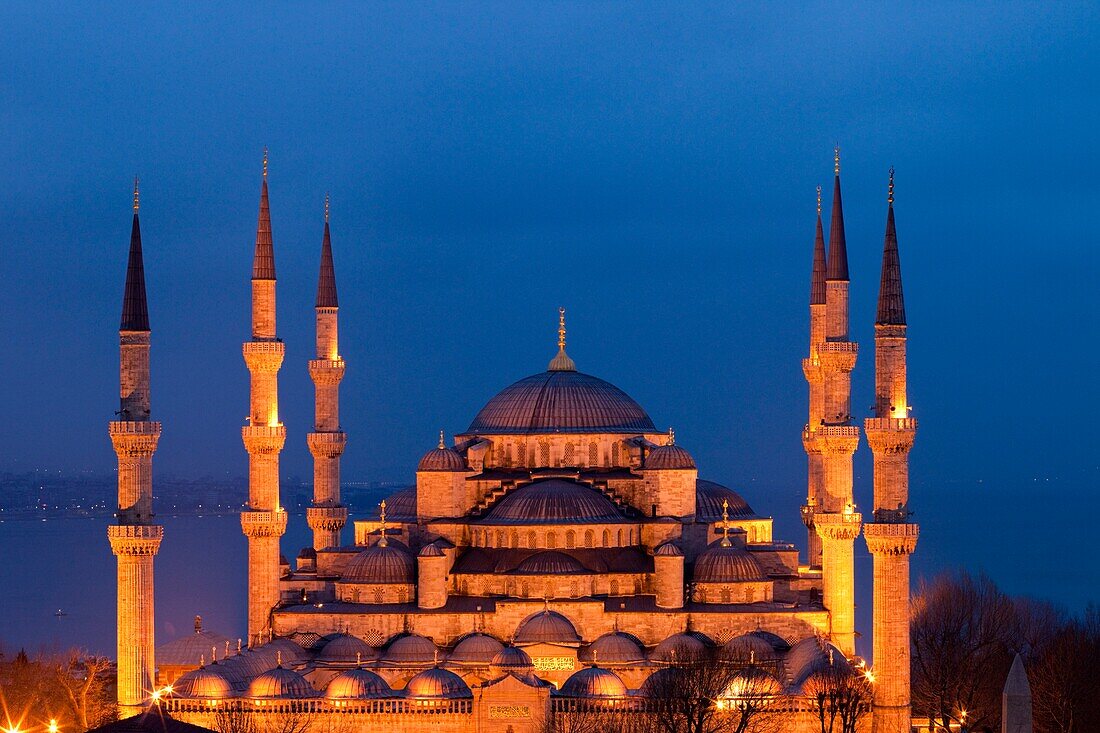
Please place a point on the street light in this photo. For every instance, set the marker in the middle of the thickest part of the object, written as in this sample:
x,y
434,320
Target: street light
x,y
53,726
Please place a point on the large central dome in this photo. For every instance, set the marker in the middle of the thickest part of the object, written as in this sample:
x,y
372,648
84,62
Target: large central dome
x,y
561,401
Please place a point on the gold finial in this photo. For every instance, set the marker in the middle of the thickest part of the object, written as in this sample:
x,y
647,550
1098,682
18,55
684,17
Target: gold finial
x,y
202,660
278,659
671,436
752,656
442,440
561,328
226,654
435,657
890,194
595,657
725,523
358,659
836,159
135,194
819,200
382,542
265,161
326,207
238,645
213,655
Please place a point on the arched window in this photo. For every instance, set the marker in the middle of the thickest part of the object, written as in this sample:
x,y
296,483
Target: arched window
x,y
614,454
377,595
355,595
725,594
614,588
619,539
532,539
525,589
514,539
521,455
567,458
589,538
606,538
544,450
551,540
593,454
500,538
570,539
573,589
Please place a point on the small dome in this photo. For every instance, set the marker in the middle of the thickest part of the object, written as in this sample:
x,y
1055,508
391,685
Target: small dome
x,y
752,683
441,459
554,501
669,457
677,648
708,502
307,553
205,683
346,649
475,649
548,627
280,683
614,648
594,682
381,564
550,563
437,684
669,549
727,564
412,649
661,682
431,550
186,650
357,684
512,659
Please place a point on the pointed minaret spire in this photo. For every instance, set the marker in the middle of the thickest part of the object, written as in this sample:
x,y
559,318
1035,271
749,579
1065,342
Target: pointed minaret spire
x,y
838,251
817,275
135,311
562,362
891,301
263,261
326,281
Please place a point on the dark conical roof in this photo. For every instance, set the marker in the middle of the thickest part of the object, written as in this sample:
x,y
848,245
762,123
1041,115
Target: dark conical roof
x,y
837,267
891,301
263,262
326,281
817,275
135,311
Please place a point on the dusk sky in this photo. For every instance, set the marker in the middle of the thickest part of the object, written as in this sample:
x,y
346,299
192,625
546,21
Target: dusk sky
x,y
650,168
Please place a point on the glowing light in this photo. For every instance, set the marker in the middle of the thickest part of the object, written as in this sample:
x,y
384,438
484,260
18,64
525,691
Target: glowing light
x,y
168,689
53,726
870,676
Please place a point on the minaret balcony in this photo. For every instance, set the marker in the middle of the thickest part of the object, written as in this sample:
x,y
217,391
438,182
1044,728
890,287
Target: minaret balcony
x,y
259,523
838,525
135,539
327,445
326,371
263,439
891,538
891,434
263,356
134,438
837,357
811,369
897,424
329,518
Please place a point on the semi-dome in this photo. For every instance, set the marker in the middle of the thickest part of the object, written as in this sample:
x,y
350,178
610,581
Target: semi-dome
x,y
381,563
186,650
613,648
668,549
561,401
548,627
669,457
594,682
412,649
678,648
204,683
437,684
430,550
357,684
811,655
722,563
346,649
554,501
550,562
708,502
752,647
512,659
280,683
401,505
475,649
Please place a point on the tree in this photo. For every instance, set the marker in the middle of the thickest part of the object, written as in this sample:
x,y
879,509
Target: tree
x,y
709,692
841,697
1063,673
75,688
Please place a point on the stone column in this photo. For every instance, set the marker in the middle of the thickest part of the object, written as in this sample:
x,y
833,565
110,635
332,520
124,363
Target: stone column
x,y
838,532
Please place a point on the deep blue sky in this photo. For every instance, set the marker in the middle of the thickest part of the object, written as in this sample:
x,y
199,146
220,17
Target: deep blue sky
x,y
652,168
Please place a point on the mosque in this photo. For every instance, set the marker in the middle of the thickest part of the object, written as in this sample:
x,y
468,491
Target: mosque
x,y
559,554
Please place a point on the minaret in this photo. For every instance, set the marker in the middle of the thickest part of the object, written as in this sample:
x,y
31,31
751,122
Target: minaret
x,y
811,368
134,538
835,518
891,538
327,516
264,436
